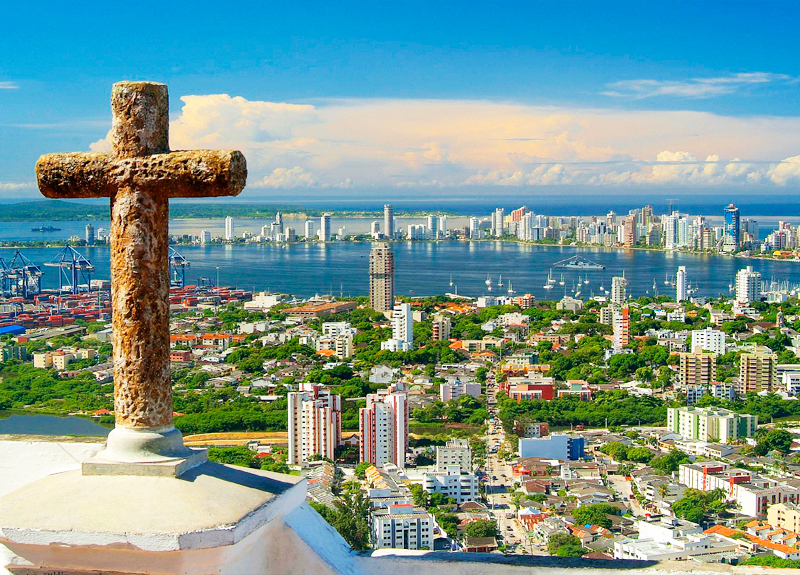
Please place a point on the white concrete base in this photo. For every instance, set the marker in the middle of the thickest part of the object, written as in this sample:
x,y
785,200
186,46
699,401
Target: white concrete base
x,y
146,452
213,519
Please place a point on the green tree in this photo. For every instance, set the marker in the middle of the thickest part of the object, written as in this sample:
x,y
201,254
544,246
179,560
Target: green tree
x,y
595,514
668,463
361,469
774,440
481,528
565,545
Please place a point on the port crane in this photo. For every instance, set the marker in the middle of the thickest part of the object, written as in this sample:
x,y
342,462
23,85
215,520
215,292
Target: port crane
x,y
177,268
24,278
75,271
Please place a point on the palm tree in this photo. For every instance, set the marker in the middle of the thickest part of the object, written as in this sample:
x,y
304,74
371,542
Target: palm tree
x,y
663,490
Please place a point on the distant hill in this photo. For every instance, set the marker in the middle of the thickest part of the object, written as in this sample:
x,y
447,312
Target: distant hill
x,y
59,210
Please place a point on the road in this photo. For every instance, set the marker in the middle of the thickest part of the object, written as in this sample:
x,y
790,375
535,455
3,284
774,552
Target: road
x,y
623,488
500,481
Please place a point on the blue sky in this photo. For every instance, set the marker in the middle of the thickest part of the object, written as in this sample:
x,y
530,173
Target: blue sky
x,y
425,98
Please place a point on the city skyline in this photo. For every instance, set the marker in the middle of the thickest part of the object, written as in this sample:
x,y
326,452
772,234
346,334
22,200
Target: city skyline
x,y
457,103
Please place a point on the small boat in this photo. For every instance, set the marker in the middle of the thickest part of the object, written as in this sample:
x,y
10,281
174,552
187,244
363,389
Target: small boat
x,y
451,280
500,281
561,281
666,279
586,279
511,289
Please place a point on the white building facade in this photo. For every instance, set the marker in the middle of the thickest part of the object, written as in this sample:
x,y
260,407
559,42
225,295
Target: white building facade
x,y
315,423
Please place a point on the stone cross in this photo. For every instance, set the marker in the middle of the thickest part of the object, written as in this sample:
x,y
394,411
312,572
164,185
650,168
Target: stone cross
x,y
139,176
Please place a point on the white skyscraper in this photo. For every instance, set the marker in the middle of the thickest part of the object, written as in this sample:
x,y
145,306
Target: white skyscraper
x,y
402,329
230,231
442,226
315,423
747,285
433,227
205,237
474,228
309,229
325,228
498,224
618,289
375,229
388,221
680,284
384,429
676,231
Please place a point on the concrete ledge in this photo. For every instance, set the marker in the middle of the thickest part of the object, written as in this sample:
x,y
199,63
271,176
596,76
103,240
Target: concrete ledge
x,y
210,505
168,468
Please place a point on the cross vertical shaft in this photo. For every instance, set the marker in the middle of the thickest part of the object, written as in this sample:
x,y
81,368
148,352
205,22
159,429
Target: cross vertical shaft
x,y
140,265
139,176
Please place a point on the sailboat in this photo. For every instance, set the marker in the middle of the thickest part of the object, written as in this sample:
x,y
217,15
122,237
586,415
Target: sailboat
x,y
500,281
451,280
666,279
510,288
550,281
561,281
586,279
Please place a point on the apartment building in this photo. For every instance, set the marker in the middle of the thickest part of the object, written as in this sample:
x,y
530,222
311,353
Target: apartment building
x,y
784,516
402,527
384,428
697,368
454,452
454,390
758,371
709,340
452,481
315,423
714,389
754,494
712,424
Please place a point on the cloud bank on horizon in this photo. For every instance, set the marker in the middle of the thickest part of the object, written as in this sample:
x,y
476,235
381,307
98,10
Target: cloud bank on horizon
x,y
458,144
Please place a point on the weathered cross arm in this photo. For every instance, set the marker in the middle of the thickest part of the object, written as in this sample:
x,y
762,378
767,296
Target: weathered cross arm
x,y
191,174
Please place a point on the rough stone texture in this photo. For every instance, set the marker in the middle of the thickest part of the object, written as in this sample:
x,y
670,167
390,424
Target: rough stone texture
x,y
140,124
140,304
193,174
139,176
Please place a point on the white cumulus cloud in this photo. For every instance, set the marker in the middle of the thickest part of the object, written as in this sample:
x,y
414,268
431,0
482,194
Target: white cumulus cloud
x,y
287,178
442,144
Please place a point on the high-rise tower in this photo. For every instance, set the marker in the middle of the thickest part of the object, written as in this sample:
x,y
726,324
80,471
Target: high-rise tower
x,y
381,277
388,221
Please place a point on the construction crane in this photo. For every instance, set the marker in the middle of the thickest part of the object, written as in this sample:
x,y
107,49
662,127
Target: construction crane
x,y
74,270
23,276
177,268
670,205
